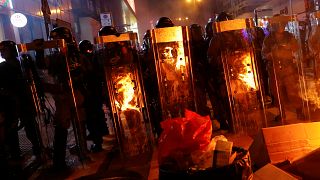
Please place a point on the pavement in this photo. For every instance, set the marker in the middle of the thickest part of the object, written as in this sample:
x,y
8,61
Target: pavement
x,y
108,164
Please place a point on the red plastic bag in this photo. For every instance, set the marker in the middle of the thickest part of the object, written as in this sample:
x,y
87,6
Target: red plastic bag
x,y
182,136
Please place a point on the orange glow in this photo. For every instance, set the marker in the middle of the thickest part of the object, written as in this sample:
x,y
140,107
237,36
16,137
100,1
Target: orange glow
x,y
53,11
180,61
313,94
126,93
248,76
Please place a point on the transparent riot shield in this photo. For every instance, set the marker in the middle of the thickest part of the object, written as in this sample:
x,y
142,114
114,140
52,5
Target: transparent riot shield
x,y
53,93
128,102
237,81
287,75
171,51
312,73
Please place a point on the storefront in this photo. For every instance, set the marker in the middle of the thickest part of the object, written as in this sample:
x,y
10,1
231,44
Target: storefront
x,y
123,14
129,16
34,28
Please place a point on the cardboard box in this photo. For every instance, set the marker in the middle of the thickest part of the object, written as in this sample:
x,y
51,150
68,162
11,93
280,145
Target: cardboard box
x,y
222,153
289,142
307,166
271,172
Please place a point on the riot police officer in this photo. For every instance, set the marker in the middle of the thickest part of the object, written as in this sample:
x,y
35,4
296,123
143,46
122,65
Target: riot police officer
x,y
108,30
69,104
150,75
217,89
208,32
17,97
262,64
199,66
94,85
279,49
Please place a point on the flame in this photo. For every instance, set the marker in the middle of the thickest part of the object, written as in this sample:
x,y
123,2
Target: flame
x,y
248,77
313,94
126,93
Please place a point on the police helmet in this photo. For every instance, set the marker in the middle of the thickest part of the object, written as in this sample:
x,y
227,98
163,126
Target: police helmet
x,y
196,32
208,27
85,46
62,33
108,30
164,22
10,48
223,16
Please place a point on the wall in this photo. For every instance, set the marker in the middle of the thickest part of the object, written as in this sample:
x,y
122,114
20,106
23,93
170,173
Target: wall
x,y
289,7
89,28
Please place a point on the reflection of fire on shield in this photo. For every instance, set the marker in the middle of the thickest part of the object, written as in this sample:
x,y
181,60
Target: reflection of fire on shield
x,y
131,119
290,79
243,76
313,79
174,71
240,73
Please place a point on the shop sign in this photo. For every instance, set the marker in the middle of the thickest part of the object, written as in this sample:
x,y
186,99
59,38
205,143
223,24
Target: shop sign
x,y
18,20
106,19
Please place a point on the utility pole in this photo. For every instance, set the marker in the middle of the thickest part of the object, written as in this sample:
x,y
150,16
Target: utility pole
x,y
46,15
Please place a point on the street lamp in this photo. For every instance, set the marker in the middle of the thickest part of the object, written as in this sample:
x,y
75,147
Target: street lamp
x,y
194,1
195,7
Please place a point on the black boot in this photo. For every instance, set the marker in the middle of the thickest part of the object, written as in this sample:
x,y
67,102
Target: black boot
x,y
60,143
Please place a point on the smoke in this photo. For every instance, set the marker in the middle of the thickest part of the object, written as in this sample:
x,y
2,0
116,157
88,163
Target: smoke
x,y
149,11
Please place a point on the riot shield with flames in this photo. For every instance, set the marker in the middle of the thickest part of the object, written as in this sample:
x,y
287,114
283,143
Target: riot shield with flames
x,y
312,78
131,118
237,82
290,80
171,53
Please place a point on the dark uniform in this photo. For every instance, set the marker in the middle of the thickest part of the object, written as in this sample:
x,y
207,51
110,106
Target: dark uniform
x,y
279,48
199,65
217,87
63,97
17,97
262,62
93,82
150,76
